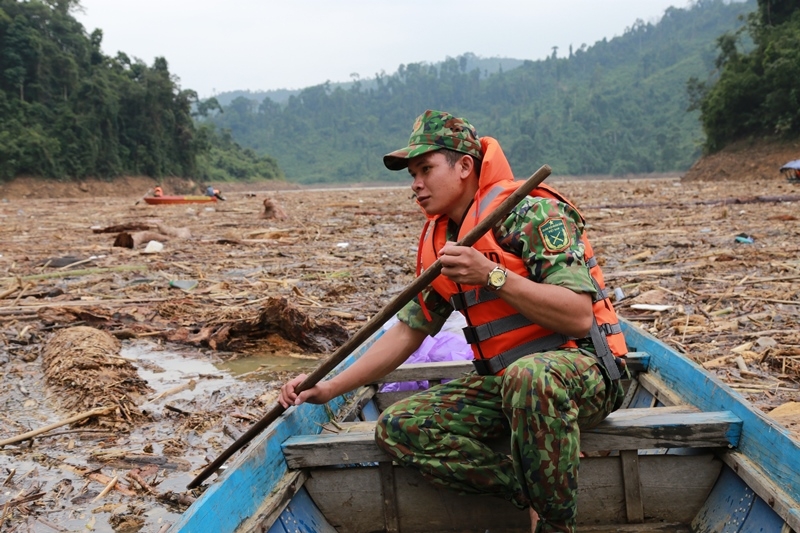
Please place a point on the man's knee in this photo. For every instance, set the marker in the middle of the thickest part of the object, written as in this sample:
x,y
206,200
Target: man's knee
x,y
382,427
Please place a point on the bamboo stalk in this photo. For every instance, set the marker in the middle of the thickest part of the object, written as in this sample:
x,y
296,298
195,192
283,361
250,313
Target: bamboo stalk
x,y
141,482
174,390
83,272
80,303
76,263
8,292
108,488
30,434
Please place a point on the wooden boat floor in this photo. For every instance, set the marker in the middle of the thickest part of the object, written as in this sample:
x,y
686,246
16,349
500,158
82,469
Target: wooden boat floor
x,y
672,489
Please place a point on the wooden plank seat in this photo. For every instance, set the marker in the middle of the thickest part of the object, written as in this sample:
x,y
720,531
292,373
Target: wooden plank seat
x,y
636,361
626,429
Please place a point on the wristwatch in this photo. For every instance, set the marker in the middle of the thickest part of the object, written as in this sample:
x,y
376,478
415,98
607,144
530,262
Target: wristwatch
x,y
497,278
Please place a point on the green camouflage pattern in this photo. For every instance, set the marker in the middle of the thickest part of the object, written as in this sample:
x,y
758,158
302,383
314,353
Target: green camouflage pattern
x,y
434,130
528,232
541,402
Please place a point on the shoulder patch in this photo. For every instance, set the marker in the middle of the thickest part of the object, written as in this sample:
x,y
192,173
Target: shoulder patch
x,y
554,234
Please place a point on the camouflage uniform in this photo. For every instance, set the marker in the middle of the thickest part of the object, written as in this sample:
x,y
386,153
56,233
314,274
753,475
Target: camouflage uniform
x,y
543,399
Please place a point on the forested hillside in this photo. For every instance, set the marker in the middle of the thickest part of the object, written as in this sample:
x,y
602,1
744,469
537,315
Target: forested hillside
x,y
69,111
618,106
485,65
758,91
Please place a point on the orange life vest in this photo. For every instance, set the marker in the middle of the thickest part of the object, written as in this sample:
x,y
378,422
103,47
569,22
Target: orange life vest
x,y
498,333
158,192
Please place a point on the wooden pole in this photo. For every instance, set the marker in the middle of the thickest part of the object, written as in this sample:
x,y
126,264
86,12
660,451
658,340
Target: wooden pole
x,y
399,301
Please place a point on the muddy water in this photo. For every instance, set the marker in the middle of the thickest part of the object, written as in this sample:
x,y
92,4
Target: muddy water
x,y
217,401
270,363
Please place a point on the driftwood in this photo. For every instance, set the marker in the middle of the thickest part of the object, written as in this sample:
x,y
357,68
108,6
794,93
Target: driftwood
x,y
126,459
96,476
83,366
134,475
108,488
83,272
272,210
715,201
276,317
178,233
77,418
134,240
164,233
129,227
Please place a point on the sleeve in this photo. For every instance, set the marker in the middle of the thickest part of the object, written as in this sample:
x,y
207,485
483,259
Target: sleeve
x,y
546,234
439,310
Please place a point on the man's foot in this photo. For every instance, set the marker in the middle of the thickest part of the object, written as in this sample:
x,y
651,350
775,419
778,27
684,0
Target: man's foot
x,y
534,520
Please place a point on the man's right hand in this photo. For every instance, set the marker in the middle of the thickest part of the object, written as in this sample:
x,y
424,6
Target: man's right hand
x,y
318,394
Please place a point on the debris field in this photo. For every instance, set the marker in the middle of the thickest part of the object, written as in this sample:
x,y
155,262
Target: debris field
x,y
112,356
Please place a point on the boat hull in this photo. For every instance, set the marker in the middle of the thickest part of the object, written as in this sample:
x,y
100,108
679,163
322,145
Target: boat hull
x,y
166,200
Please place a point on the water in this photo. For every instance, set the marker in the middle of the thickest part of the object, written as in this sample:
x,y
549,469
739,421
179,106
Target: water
x,y
270,363
198,383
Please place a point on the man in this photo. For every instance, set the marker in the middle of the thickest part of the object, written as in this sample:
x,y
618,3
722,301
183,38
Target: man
x,y
544,337
211,191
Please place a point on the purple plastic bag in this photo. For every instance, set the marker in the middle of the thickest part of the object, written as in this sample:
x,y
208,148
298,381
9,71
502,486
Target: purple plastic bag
x,y
445,346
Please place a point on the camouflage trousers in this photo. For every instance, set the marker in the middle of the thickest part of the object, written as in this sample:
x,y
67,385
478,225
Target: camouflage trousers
x,y
543,399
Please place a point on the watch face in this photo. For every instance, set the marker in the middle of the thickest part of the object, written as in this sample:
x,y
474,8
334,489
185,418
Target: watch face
x,y
497,278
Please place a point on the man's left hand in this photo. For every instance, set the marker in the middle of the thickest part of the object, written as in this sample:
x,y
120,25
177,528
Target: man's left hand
x,y
464,264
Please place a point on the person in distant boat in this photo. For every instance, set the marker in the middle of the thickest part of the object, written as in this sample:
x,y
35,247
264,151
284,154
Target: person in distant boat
x,y
158,192
211,191
546,341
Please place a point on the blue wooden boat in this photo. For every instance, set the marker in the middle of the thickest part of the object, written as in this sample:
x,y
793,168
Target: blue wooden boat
x,y
685,453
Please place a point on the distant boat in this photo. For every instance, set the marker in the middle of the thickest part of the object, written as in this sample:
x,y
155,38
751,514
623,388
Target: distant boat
x,y
197,199
792,170
685,453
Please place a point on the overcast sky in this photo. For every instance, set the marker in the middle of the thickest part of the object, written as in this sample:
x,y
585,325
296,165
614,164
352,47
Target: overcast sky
x,y
222,45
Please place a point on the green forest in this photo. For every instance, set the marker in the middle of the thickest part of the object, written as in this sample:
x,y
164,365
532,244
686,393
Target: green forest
x,y
757,93
68,111
618,106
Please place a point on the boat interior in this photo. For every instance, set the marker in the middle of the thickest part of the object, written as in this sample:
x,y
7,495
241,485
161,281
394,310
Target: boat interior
x,y
682,454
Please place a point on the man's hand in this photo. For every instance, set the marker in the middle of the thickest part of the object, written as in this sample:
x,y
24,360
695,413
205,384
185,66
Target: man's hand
x,y
318,394
464,264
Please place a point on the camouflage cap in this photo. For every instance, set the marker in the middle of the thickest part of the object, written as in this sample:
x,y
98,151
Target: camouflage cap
x,y
434,130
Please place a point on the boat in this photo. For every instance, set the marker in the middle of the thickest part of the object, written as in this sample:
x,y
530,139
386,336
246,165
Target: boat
x,y
792,170
684,453
192,199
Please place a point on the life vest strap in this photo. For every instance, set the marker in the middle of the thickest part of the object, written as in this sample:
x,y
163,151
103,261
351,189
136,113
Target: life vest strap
x,y
603,351
476,334
490,367
601,294
465,300
610,329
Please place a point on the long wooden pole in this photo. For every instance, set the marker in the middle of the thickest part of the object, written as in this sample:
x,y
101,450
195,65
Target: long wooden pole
x,y
399,301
